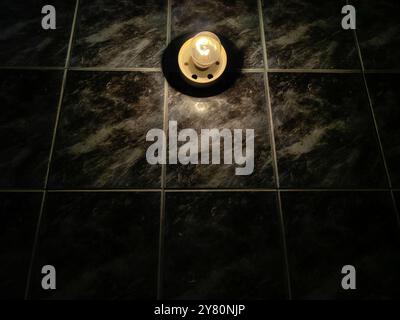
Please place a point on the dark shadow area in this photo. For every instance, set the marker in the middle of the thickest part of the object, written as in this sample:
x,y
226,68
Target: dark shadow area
x,y
176,80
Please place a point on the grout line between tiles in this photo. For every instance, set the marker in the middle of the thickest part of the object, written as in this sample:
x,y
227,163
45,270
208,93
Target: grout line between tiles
x,y
382,151
244,70
60,99
112,69
250,70
340,71
41,68
267,94
165,128
101,190
169,17
160,268
273,146
21,190
176,190
274,190
34,247
336,190
162,203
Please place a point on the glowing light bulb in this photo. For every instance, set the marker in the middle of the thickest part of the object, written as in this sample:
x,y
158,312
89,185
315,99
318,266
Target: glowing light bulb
x,y
205,49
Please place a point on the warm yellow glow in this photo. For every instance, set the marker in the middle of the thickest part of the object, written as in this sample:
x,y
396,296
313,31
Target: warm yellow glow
x,y
206,49
201,107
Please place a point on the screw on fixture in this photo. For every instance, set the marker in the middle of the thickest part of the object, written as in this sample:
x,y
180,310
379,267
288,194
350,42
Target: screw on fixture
x,y
202,59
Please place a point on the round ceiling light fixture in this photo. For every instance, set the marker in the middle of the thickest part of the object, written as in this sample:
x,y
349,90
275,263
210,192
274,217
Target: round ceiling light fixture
x,y
201,64
202,59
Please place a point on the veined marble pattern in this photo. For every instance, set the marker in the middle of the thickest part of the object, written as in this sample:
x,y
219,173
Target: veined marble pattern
x,y
101,139
378,29
308,34
223,246
28,105
18,213
385,95
241,107
324,132
328,230
104,246
125,33
235,20
23,41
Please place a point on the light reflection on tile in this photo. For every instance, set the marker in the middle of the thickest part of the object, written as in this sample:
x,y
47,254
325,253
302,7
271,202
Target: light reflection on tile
x,y
240,107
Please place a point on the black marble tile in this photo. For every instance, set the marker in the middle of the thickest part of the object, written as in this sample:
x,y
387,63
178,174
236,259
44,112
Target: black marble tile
x,y
241,107
397,199
324,132
23,41
223,246
328,230
101,139
378,30
28,101
385,96
122,33
235,20
19,213
308,34
103,246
